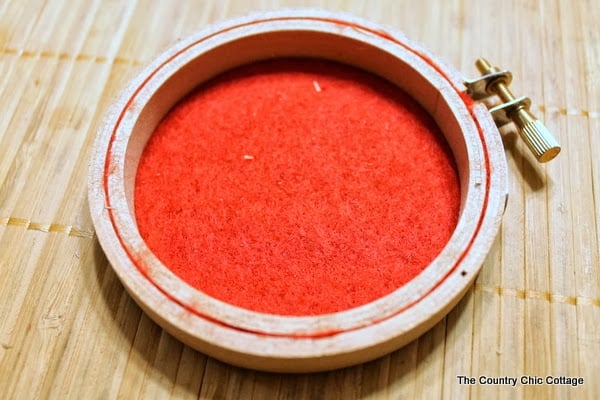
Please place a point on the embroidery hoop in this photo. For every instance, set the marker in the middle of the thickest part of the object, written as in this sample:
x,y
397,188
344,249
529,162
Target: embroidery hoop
x,y
312,343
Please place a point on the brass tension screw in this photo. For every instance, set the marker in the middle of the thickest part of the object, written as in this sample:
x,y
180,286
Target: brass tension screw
x,y
537,137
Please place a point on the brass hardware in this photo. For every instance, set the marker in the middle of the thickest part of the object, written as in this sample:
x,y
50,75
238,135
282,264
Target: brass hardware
x,y
495,82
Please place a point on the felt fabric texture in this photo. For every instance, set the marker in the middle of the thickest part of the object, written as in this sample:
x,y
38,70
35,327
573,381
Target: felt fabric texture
x,y
297,187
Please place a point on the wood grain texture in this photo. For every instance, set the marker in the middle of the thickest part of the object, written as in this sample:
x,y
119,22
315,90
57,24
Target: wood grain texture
x,y
68,329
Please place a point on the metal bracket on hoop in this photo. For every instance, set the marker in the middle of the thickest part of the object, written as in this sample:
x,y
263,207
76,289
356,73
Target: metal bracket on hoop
x,y
495,82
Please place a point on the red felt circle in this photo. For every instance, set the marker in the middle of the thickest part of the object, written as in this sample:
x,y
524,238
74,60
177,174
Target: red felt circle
x,y
297,187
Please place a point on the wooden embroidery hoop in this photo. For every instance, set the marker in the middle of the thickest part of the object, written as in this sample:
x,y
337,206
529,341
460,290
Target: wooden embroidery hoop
x,y
312,343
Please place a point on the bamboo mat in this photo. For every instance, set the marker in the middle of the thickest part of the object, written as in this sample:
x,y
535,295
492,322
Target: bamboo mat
x,y
69,330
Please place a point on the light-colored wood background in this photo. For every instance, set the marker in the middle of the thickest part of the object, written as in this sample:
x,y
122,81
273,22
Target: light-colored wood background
x,y
68,329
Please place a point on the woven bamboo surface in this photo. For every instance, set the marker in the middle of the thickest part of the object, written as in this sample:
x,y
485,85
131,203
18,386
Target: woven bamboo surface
x,y
69,330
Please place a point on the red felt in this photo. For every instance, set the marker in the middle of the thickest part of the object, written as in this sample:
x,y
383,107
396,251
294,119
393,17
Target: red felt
x,y
297,187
